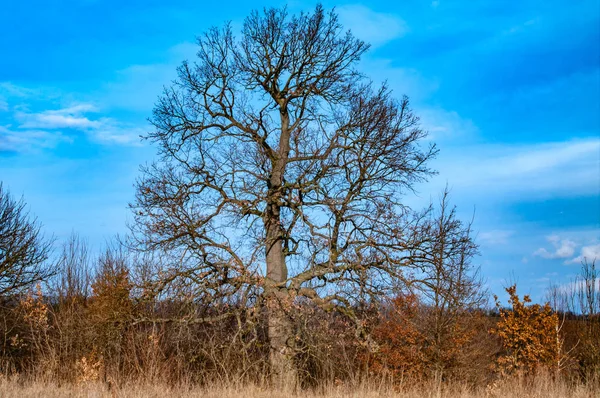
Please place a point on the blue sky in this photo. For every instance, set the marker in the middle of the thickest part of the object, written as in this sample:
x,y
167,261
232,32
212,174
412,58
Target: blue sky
x,y
509,91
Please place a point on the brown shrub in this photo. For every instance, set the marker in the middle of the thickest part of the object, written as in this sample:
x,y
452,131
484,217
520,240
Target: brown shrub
x,y
528,334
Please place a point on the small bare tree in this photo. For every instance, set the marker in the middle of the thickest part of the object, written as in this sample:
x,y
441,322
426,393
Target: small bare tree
x,y
580,301
281,173
23,248
448,282
73,271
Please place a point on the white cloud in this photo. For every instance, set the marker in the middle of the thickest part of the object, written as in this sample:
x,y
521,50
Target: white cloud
x,y
47,127
441,124
495,237
590,253
561,248
373,27
72,117
566,248
27,140
559,169
12,90
12,93
115,134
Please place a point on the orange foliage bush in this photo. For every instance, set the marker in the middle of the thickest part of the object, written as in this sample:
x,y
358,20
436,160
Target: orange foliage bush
x,y
417,343
529,335
401,353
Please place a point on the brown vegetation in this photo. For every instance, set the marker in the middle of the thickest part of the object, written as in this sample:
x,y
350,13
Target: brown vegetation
x,y
114,336
530,335
541,386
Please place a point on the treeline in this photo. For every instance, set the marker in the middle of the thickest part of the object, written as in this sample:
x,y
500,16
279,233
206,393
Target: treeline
x,y
94,321
130,316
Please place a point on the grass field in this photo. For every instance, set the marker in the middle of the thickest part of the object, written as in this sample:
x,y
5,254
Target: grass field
x,y
541,387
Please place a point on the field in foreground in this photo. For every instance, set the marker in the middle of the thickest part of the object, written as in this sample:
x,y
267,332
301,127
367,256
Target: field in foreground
x,y
539,388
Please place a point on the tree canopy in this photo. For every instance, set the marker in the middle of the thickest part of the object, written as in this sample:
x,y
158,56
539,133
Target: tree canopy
x,y
281,171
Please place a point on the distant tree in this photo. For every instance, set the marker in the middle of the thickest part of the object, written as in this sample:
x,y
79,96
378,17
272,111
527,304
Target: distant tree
x,y
428,330
111,307
450,285
23,248
588,296
69,292
529,335
580,301
281,173
73,271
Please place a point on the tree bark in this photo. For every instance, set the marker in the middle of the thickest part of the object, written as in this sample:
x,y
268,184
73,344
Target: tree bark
x,y
280,327
282,351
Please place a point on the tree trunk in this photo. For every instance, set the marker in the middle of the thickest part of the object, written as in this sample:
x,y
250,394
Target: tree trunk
x,y
280,328
281,337
279,301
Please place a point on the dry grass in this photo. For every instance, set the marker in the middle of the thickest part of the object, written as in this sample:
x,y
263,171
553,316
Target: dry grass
x,y
541,387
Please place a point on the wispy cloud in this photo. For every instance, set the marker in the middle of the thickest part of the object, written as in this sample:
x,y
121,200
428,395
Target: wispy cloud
x,y
558,169
495,237
12,90
111,132
376,28
71,117
35,121
28,140
442,124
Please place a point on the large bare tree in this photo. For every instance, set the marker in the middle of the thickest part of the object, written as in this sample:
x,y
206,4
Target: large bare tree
x,y
281,173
